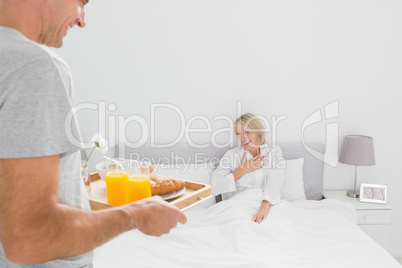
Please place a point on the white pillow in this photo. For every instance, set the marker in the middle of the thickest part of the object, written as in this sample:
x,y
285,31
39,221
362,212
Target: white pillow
x,y
200,173
293,185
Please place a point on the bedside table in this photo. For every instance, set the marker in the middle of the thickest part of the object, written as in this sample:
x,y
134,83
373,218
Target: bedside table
x,y
373,219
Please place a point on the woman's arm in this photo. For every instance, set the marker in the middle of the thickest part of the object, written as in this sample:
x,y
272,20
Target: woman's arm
x,y
272,187
223,178
274,178
263,212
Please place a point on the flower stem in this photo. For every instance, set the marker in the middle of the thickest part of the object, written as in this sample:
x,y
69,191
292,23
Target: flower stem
x,y
87,161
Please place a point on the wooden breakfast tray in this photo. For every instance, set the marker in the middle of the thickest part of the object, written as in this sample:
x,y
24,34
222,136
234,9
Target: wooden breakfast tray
x,y
194,192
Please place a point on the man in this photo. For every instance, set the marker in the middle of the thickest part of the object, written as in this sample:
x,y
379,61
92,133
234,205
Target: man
x,y
44,212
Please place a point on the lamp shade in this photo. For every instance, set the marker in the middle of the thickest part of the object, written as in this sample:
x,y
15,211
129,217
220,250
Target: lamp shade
x,y
357,151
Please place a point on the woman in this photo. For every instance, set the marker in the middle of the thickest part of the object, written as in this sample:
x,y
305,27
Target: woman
x,y
251,165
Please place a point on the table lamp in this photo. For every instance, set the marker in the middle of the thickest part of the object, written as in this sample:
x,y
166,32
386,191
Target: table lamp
x,y
357,151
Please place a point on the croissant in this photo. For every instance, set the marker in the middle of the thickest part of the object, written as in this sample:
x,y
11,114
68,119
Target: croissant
x,y
162,184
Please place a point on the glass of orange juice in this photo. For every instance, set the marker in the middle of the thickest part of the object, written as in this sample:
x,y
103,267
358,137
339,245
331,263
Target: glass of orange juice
x,y
139,185
117,182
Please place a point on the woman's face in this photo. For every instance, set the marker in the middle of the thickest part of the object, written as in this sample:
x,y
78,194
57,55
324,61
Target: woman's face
x,y
368,192
378,194
247,139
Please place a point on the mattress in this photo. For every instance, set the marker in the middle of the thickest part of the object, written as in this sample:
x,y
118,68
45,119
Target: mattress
x,y
295,234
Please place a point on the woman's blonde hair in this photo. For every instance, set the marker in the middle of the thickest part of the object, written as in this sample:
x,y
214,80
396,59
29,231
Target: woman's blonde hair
x,y
253,124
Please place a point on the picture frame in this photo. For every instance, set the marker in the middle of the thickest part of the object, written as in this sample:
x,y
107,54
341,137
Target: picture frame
x,y
373,193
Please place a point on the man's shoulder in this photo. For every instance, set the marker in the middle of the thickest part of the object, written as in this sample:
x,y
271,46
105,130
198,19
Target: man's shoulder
x,y
15,46
16,51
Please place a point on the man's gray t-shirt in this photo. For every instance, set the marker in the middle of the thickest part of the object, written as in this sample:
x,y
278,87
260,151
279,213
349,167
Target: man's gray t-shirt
x,y
35,97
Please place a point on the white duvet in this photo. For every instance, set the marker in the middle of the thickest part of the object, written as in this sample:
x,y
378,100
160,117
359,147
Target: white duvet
x,y
295,234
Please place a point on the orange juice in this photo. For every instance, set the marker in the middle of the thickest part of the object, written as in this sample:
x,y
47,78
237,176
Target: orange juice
x,y
116,188
139,187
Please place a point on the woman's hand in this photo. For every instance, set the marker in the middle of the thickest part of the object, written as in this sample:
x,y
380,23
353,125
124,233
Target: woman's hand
x,y
252,164
263,212
247,166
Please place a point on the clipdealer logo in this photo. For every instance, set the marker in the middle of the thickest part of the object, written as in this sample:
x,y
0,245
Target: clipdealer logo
x,y
331,111
115,126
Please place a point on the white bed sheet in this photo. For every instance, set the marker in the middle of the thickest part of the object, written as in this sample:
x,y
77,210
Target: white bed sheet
x,y
295,234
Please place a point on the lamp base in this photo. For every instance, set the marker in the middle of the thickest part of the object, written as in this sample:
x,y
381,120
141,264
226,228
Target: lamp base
x,y
352,194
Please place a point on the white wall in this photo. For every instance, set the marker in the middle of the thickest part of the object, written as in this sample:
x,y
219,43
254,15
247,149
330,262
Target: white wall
x,y
277,57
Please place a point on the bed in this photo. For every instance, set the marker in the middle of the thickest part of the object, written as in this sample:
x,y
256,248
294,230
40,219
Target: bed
x,y
296,233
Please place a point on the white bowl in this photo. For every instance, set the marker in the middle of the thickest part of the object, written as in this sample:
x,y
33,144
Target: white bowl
x,y
101,168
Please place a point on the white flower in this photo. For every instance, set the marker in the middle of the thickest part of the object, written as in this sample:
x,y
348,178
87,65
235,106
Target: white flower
x,y
99,143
